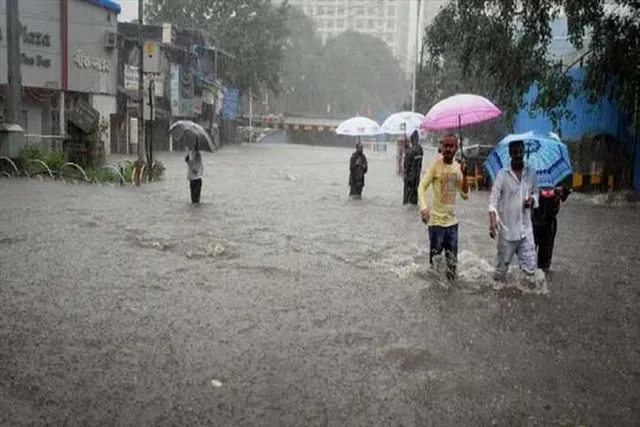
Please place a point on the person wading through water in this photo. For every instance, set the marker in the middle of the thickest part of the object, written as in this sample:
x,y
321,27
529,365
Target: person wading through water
x,y
448,178
545,223
513,195
194,172
412,169
357,169
402,147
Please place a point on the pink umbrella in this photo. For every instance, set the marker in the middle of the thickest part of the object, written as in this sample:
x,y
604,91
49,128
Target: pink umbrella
x,y
459,110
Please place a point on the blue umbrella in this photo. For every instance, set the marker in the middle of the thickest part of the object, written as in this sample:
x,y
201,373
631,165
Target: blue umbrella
x,y
547,155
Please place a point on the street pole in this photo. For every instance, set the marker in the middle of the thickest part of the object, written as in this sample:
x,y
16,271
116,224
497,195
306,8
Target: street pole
x,y
14,62
12,138
141,141
250,114
415,62
152,99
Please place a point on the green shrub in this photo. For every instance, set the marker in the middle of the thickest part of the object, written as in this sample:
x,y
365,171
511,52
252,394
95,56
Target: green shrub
x,y
31,152
103,175
155,172
55,159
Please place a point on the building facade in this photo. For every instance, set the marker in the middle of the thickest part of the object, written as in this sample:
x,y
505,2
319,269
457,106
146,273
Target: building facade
x,y
387,20
69,52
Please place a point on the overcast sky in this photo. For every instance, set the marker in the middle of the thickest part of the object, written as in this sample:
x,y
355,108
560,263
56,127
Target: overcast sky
x,y
129,10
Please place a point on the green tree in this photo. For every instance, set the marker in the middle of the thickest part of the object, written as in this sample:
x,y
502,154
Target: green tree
x,y
470,49
506,45
303,67
254,31
360,73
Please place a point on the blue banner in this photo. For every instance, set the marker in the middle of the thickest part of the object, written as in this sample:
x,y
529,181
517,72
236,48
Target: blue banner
x,y
230,103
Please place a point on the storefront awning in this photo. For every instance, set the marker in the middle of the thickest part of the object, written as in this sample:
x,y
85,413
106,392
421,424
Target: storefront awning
x,y
110,5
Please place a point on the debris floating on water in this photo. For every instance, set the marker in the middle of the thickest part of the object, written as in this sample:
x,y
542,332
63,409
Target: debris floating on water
x,y
216,383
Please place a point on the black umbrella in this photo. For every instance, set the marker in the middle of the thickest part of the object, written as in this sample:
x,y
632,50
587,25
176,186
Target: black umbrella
x,y
188,132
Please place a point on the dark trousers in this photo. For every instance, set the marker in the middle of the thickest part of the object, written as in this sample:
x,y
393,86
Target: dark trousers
x,y
410,191
444,239
195,185
356,190
545,236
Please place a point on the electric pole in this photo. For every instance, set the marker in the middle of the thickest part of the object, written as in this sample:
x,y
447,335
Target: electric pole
x,y
11,133
14,62
415,57
141,141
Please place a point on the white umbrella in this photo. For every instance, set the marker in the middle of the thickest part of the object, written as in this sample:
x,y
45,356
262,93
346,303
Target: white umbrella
x,y
403,123
359,126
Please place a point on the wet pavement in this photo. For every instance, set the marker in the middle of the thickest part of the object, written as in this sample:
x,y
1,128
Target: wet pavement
x,y
279,302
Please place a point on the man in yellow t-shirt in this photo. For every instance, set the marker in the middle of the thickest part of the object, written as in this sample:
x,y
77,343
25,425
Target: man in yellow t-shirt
x,y
447,177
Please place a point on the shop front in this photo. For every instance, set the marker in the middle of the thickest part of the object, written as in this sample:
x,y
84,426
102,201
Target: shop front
x,y
92,59
40,45
68,52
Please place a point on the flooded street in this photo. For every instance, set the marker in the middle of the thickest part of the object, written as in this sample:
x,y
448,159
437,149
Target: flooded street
x,y
281,302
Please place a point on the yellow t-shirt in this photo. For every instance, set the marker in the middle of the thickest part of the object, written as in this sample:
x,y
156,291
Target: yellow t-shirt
x,y
447,181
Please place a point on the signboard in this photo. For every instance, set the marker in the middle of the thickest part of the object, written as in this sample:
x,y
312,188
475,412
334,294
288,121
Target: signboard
x,y
230,103
84,116
151,59
133,131
131,81
39,43
174,84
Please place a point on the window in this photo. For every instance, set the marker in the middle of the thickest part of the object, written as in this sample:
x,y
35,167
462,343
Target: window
x,y
391,11
340,24
359,24
370,24
390,25
319,10
331,25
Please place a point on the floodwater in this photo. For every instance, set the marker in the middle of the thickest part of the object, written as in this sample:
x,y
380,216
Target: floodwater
x,y
279,302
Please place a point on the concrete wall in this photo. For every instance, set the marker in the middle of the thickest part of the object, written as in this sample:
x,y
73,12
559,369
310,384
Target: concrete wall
x,y
40,43
92,66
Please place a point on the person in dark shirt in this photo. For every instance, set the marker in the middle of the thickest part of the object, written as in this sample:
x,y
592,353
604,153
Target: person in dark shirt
x,y
545,223
412,170
357,169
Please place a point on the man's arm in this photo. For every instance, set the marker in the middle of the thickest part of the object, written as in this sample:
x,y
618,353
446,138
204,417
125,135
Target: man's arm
x,y
535,191
463,184
425,182
494,200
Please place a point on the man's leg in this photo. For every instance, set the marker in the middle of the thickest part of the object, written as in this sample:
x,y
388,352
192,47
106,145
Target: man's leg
x,y
451,251
552,239
192,189
541,239
198,189
506,250
436,240
526,252
405,192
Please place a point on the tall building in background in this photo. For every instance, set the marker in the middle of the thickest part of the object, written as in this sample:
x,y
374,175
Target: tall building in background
x,y
429,9
387,20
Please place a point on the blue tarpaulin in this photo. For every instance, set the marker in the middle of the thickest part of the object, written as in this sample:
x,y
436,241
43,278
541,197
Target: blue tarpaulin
x,y
110,5
603,117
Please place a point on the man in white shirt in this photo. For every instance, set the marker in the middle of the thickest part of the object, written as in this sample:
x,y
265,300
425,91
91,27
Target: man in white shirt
x,y
194,172
513,195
